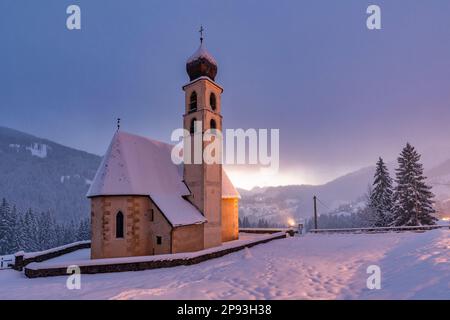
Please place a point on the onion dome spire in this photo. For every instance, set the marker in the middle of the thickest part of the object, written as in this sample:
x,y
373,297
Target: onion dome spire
x,y
201,63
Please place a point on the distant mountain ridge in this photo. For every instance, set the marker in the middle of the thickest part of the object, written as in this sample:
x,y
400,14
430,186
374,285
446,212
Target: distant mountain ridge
x,y
280,204
45,176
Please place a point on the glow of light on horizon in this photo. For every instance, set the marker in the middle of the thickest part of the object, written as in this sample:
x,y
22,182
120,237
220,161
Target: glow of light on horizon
x,y
291,222
248,179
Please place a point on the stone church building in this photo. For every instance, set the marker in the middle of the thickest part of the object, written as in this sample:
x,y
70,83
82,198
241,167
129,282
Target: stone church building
x,y
144,204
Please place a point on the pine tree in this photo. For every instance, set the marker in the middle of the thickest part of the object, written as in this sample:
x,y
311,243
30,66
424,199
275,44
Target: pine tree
x,y
20,233
381,196
30,232
60,232
84,232
365,216
45,231
53,241
11,227
246,223
70,233
413,199
4,213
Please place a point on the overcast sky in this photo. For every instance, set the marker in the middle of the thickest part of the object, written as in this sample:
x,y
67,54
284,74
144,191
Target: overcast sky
x,y
340,94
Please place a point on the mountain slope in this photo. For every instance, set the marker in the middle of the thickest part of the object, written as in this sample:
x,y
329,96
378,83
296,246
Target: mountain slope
x,y
43,175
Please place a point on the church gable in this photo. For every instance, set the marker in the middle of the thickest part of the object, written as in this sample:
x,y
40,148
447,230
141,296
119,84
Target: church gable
x,y
135,165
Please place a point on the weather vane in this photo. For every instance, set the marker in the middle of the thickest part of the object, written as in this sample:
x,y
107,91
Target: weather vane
x,y
118,124
201,33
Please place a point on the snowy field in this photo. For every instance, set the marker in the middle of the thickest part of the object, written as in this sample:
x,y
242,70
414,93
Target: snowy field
x,y
413,266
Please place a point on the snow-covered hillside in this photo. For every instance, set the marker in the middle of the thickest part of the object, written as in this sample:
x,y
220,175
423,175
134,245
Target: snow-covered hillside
x,y
413,266
45,176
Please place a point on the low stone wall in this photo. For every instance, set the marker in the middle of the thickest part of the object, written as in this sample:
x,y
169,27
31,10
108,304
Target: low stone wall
x,y
22,258
291,232
143,265
380,229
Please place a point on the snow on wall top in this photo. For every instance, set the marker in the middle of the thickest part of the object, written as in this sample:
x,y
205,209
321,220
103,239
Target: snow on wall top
x,y
202,53
135,165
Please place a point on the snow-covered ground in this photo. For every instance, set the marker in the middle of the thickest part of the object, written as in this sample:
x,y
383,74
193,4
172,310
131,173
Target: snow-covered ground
x,y
413,266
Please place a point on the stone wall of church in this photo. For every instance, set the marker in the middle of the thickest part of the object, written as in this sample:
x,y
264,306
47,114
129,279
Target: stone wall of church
x,y
143,223
160,227
188,238
230,219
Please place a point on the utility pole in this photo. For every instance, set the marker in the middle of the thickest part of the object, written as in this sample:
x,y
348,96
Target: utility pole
x,y
315,212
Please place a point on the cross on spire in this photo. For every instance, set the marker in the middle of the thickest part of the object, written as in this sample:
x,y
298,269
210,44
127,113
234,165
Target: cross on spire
x,y
201,33
118,124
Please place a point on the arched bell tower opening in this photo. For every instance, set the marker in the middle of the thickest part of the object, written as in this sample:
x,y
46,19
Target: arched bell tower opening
x,y
213,101
213,124
204,180
193,102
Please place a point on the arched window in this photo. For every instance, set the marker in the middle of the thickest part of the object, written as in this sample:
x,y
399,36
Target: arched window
x,y
119,225
213,124
212,101
193,102
192,127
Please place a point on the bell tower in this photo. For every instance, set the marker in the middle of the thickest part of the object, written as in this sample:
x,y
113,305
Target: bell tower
x,y
202,112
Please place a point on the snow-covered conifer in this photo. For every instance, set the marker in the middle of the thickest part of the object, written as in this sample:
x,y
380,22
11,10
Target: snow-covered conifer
x,y
413,199
381,196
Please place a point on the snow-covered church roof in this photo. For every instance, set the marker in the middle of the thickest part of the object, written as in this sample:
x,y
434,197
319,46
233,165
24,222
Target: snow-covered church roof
x,y
135,165
228,189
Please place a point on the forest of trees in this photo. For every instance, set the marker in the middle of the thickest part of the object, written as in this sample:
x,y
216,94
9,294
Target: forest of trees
x,y
30,231
410,201
261,223
359,219
405,201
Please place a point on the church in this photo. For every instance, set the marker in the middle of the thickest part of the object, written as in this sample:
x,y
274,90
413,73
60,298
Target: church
x,y
144,204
